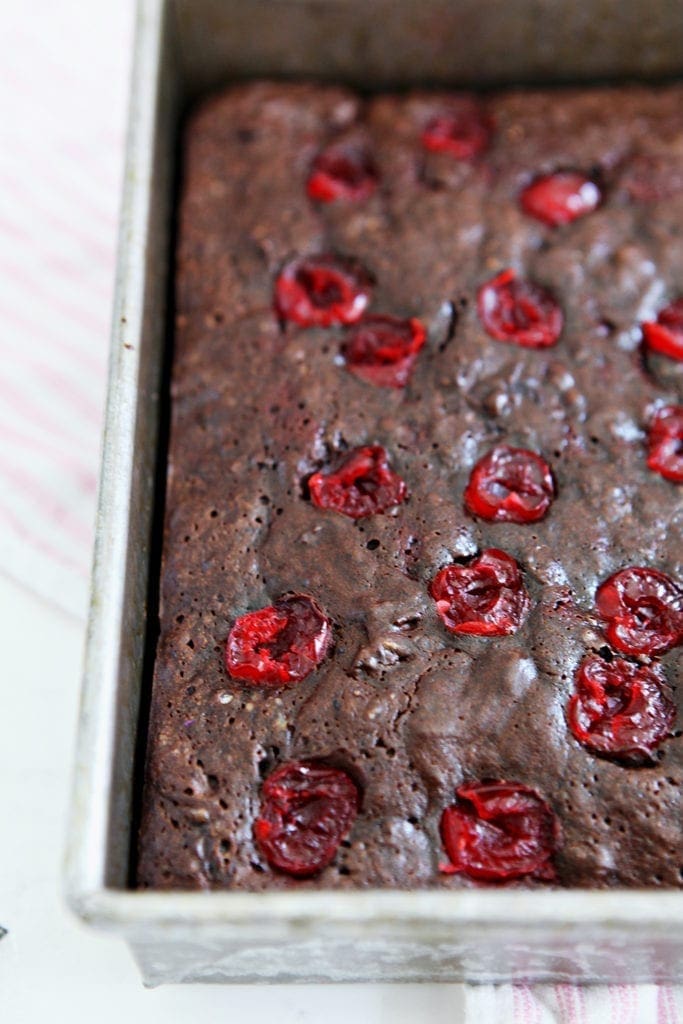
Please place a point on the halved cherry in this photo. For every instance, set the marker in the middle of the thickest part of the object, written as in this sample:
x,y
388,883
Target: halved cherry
x,y
498,831
511,485
665,334
342,171
462,132
642,609
363,484
485,598
561,197
322,291
306,810
382,349
519,311
665,443
620,710
280,644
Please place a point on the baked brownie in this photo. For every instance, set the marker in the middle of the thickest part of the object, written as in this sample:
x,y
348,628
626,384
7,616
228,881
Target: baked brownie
x,y
421,605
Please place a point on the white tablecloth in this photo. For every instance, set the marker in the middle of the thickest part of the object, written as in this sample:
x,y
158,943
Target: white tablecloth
x,y
63,73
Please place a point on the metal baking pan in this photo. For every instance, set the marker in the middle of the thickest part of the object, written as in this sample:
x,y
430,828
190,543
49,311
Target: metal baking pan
x,y
184,47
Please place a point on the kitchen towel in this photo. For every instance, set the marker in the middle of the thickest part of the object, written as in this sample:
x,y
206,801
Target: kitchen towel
x,y
573,1004
63,85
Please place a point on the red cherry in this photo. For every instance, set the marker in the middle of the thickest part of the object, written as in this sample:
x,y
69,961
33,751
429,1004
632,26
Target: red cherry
x,y
643,609
519,311
322,291
342,171
485,598
665,443
306,810
499,830
561,197
463,133
363,485
665,334
620,710
510,485
382,350
280,644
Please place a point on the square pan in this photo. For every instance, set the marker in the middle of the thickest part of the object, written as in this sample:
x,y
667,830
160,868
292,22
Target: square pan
x,y
184,47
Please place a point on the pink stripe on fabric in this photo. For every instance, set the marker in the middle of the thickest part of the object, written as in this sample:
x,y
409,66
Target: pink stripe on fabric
x,y
49,504
61,456
65,191
7,227
662,1008
78,314
518,1015
525,1006
69,390
666,1006
39,542
616,1004
565,996
48,215
34,413
581,996
629,995
534,1009
94,156
70,268
94,361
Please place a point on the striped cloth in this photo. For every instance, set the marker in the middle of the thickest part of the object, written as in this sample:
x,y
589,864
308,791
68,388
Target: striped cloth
x,y
63,67
63,74
572,1004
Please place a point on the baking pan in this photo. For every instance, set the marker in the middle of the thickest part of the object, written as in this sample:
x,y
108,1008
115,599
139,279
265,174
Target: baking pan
x,y
184,47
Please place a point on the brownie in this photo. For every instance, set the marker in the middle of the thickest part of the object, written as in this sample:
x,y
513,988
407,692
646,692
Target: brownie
x,y
405,708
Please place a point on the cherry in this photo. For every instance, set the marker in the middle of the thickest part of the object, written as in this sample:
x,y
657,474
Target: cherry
x,y
619,710
485,598
306,810
665,443
342,171
519,311
463,133
280,644
499,830
665,334
382,350
363,485
643,609
322,291
561,197
510,485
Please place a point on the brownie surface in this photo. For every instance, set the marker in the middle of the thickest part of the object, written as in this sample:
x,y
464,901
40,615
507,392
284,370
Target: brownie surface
x,y
409,710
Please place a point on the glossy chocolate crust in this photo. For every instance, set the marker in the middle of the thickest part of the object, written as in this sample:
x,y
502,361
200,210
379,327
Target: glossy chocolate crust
x,y
409,710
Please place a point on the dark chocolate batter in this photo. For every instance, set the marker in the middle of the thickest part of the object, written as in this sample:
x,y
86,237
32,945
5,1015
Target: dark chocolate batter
x,y
409,710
